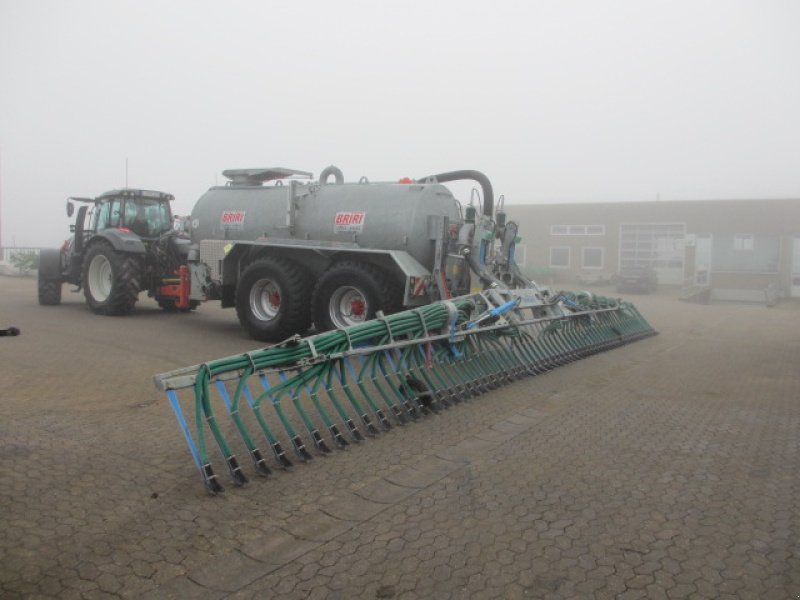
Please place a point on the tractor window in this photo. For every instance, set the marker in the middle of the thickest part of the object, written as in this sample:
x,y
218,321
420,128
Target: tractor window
x,y
100,220
147,217
115,216
107,214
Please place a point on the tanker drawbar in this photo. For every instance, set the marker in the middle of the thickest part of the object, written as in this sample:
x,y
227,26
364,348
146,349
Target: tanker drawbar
x,y
312,395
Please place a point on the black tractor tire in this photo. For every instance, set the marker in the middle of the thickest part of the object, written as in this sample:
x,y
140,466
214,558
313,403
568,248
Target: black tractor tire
x,y
272,299
350,293
49,292
49,277
111,280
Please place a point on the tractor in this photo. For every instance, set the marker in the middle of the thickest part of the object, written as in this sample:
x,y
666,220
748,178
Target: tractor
x,y
123,242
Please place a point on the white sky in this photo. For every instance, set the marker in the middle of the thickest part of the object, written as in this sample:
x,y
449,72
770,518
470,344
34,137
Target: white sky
x,y
558,101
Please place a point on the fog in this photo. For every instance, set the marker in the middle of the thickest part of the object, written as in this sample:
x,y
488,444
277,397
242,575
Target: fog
x,y
555,101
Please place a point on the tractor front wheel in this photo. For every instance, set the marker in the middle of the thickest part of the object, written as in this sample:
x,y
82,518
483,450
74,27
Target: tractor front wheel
x,y
111,280
49,282
272,299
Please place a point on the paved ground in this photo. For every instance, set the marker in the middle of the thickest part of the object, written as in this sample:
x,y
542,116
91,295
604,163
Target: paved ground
x,y
664,469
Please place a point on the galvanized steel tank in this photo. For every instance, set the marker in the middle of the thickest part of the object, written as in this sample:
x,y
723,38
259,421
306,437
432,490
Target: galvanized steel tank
x,y
392,216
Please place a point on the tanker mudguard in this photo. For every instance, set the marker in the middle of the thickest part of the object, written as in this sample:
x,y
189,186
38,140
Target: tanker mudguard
x,y
122,240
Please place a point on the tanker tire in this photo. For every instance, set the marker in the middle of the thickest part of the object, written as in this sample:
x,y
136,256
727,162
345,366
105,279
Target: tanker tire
x,y
111,280
354,282
268,318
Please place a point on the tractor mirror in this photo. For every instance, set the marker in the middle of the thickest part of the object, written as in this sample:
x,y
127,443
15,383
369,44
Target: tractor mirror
x,y
70,208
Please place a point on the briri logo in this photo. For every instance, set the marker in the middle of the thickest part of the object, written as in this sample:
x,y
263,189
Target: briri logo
x,y
349,221
232,219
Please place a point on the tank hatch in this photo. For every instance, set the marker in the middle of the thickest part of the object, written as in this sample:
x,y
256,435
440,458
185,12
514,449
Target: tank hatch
x,y
259,176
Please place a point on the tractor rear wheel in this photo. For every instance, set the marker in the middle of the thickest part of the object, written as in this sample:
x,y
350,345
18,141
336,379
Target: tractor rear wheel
x,y
49,278
111,280
350,293
272,299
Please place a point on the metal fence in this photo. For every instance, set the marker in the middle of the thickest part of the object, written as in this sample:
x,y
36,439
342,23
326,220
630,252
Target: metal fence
x,y
6,252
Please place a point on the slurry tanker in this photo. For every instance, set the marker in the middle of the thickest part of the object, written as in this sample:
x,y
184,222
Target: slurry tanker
x,y
288,251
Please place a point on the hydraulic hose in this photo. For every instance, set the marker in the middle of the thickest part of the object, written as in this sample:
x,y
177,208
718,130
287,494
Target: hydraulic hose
x,y
483,180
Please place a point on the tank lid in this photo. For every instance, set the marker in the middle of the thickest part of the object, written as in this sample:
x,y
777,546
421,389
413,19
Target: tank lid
x,y
259,176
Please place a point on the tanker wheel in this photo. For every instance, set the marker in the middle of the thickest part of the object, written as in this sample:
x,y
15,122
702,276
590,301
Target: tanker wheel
x,y
111,280
49,277
272,299
350,293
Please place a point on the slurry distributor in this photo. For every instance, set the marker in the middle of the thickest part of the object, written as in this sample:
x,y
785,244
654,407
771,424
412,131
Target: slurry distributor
x,y
342,386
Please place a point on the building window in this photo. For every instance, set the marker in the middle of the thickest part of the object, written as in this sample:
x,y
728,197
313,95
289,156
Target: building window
x,y
520,254
577,230
746,253
559,257
592,258
743,242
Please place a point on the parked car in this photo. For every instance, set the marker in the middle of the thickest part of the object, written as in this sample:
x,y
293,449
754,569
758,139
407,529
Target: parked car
x,y
637,279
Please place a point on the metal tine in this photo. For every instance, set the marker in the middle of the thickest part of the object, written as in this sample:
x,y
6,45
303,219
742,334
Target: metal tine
x,y
547,340
371,364
233,408
237,475
474,365
492,365
488,366
426,371
517,361
357,377
416,387
410,408
310,426
341,375
274,395
415,353
541,347
352,428
456,370
407,385
272,439
338,439
495,352
571,347
446,392
441,360
210,482
526,346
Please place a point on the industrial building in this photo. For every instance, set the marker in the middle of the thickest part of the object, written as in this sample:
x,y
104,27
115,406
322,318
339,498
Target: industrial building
x,y
733,249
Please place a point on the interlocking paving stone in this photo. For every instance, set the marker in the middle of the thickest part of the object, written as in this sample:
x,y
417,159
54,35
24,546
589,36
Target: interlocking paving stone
x,y
663,469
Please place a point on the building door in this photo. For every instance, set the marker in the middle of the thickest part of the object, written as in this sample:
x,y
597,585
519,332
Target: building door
x,y
702,260
795,288
656,245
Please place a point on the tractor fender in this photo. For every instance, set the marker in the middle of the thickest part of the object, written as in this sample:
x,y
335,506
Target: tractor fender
x,y
50,263
122,241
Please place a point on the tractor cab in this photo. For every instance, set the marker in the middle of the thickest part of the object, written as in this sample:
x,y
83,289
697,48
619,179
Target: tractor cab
x,y
145,213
